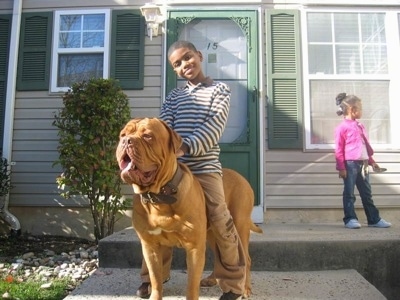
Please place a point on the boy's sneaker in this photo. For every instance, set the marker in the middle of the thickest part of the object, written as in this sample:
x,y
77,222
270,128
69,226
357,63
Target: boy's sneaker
x,y
353,224
381,224
230,296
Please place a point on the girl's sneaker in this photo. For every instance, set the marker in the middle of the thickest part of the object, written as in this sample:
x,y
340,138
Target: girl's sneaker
x,y
381,224
353,224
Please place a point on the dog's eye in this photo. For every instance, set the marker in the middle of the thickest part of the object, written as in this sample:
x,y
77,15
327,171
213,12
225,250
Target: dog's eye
x,y
147,137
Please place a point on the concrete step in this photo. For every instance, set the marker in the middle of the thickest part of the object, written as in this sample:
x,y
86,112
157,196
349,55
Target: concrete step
x,y
121,284
283,247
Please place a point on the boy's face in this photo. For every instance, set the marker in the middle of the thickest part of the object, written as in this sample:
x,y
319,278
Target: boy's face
x,y
187,64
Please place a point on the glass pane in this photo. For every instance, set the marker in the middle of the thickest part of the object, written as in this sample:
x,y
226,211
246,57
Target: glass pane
x,y
346,27
224,49
373,28
319,27
375,60
78,67
70,22
376,114
69,40
348,60
93,22
320,59
73,35
93,39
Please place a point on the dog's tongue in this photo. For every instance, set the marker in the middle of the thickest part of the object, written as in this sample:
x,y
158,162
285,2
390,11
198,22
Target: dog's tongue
x,y
127,173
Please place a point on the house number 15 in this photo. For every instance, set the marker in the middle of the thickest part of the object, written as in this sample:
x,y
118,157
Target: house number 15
x,y
212,46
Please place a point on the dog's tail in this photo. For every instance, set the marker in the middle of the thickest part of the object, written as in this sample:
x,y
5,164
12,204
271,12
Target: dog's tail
x,y
255,228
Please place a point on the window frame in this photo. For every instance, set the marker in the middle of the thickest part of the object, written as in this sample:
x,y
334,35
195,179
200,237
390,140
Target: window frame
x,y
56,51
393,75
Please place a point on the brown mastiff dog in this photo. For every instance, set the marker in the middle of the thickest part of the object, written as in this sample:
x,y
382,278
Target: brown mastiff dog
x,y
171,211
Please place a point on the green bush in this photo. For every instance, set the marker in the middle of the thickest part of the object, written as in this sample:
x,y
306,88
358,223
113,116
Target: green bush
x,y
94,112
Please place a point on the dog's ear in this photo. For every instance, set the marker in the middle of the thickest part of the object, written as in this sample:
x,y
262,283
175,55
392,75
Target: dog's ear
x,y
175,138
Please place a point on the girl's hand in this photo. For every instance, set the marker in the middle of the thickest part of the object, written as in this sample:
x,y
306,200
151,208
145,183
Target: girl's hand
x,y
342,174
377,168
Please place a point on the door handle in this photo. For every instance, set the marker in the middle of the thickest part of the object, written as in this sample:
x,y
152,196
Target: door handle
x,y
255,94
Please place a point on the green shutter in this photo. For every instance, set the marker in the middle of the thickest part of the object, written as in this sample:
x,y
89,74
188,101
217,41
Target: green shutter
x,y
284,80
5,31
127,48
35,51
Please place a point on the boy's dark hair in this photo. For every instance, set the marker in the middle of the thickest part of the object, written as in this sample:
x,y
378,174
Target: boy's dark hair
x,y
345,102
181,44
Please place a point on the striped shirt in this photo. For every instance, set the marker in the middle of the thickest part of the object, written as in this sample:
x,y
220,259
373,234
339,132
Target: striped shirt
x,y
199,114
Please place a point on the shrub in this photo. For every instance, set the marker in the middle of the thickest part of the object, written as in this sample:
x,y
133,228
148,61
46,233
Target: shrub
x,y
94,112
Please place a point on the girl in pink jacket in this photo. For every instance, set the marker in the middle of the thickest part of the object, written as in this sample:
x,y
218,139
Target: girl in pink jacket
x,y
353,154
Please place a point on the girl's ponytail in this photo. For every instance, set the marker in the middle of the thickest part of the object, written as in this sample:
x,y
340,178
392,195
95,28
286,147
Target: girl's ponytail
x,y
339,99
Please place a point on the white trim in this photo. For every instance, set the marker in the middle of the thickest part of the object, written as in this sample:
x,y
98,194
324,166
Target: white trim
x,y
288,2
258,211
12,80
10,104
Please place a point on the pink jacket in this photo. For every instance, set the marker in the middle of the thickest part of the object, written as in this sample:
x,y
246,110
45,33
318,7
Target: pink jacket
x,y
349,143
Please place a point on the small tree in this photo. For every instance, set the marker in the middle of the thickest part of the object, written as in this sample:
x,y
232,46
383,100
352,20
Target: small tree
x,y
94,112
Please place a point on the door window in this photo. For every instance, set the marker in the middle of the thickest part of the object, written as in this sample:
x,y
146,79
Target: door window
x,y
223,46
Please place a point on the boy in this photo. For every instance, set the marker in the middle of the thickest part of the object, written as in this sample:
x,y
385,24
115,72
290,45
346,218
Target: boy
x,y
198,112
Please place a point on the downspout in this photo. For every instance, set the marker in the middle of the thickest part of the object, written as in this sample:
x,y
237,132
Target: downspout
x,y
9,109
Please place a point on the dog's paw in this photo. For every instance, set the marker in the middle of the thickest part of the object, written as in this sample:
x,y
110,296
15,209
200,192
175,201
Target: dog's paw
x,y
208,282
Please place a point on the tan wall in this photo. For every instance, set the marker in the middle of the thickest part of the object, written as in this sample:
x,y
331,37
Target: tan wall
x,y
62,221
310,180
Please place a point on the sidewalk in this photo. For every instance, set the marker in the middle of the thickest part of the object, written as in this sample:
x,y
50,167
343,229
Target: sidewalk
x,y
121,284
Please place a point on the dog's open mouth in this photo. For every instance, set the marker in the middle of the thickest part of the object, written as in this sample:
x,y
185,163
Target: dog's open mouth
x,y
132,173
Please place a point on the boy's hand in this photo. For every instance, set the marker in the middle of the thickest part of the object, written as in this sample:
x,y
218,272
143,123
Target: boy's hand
x,y
342,174
179,153
182,150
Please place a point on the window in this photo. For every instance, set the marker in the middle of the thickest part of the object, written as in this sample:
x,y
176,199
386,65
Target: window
x,y
76,50
352,52
80,47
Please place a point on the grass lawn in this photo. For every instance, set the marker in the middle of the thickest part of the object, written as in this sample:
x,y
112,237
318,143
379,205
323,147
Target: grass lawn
x,y
14,289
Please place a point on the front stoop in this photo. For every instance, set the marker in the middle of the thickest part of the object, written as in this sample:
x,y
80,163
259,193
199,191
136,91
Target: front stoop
x,y
111,283
371,252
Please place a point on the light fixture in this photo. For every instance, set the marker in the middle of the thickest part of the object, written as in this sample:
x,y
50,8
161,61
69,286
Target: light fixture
x,y
152,14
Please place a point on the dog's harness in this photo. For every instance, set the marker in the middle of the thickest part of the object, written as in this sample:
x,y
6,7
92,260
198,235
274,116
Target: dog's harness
x,y
165,195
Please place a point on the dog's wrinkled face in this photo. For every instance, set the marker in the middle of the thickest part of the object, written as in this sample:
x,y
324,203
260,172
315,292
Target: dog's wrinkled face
x,y
146,154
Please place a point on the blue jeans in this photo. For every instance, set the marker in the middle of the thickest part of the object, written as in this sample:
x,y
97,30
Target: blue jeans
x,y
355,178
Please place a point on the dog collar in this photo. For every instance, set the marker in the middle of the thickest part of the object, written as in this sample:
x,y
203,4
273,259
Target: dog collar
x,y
166,192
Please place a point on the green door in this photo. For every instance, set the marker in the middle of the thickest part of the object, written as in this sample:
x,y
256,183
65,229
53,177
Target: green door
x,y
227,40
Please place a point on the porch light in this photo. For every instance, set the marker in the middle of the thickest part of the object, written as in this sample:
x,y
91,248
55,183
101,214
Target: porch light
x,y
152,14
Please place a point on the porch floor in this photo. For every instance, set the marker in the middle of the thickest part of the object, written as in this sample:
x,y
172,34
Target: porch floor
x,y
289,261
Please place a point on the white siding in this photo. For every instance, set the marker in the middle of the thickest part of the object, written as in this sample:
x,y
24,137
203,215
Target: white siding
x,y
295,179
